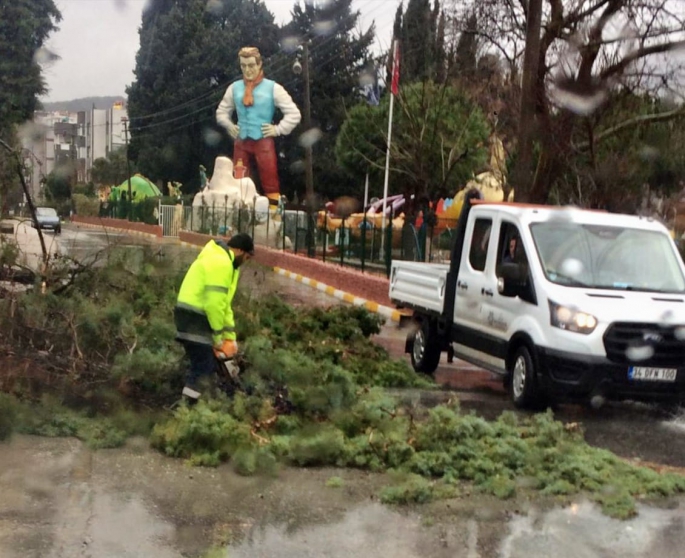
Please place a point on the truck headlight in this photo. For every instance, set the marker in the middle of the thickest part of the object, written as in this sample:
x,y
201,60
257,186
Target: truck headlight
x,y
570,319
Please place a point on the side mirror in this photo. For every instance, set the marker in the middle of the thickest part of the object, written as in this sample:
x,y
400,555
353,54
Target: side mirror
x,y
512,279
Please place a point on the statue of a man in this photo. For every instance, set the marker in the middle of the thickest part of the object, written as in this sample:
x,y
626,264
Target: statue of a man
x,y
255,99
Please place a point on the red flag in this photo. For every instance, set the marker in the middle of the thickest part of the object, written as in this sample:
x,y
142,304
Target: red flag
x,y
394,88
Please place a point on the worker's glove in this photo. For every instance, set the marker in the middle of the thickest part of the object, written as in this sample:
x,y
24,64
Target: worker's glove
x,y
233,129
269,131
227,350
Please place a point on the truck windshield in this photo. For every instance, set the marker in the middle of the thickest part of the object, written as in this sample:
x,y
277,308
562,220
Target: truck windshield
x,y
604,257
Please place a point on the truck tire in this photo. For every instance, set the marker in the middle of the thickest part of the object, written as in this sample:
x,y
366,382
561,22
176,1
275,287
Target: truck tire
x,y
523,383
425,348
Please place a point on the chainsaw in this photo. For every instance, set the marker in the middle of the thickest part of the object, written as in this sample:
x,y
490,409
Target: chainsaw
x,y
229,373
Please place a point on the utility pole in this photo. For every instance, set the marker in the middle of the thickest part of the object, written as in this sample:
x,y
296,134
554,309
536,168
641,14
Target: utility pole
x,y
309,171
128,167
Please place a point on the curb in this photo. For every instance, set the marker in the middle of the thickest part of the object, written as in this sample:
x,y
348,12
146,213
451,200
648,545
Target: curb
x,y
117,229
386,311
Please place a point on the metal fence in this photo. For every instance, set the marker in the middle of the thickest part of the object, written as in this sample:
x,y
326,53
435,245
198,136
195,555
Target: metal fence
x,y
357,241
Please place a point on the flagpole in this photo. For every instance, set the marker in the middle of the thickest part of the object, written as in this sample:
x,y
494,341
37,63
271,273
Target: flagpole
x,y
393,91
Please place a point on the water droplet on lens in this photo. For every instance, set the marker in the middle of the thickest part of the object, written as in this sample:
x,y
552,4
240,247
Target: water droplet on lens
x,y
211,137
214,6
45,56
571,267
639,352
322,28
366,78
667,318
310,137
649,153
297,166
290,44
583,104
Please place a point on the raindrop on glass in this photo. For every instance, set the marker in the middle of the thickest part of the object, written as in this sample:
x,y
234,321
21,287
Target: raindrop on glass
x,y
638,353
667,318
571,267
582,104
45,56
344,206
32,132
211,137
322,28
214,6
63,171
310,137
297,166
565,214
121,5
290,44
365,79
649,153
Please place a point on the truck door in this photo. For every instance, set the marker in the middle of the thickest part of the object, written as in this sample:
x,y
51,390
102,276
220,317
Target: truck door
x,y
499,310
471,337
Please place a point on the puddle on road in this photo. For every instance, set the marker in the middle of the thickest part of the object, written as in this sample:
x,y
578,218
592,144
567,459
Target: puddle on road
x,y
581,530
124,527
677,423
371,530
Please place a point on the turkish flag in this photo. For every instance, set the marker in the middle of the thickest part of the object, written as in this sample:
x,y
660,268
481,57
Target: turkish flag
x,y
394,87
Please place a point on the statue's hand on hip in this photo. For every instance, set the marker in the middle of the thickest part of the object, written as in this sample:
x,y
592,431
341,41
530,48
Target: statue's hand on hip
x,y
269,131
233,130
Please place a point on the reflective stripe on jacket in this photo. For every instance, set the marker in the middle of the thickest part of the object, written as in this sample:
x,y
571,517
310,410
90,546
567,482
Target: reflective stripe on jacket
x,y
203,312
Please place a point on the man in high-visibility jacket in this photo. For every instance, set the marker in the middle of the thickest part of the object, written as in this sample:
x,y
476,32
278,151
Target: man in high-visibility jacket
x,y
204,313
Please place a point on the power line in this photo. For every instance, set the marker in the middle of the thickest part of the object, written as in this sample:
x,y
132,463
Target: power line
x,y
199,110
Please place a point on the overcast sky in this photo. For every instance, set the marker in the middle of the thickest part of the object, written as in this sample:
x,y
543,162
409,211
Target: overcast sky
x,y
98,40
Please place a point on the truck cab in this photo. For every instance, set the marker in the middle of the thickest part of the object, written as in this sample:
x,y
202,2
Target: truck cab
x,y
564,303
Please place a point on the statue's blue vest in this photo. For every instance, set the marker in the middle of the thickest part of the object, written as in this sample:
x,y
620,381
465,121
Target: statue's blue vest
x,y
250,119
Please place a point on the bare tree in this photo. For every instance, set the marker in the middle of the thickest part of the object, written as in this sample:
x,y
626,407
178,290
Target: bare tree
x,y
589,49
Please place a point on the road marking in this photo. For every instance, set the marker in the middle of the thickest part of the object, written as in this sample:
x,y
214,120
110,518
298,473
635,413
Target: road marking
x,y
371,306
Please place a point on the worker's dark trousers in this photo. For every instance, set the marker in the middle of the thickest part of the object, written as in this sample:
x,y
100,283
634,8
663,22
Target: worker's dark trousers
x,y
202,362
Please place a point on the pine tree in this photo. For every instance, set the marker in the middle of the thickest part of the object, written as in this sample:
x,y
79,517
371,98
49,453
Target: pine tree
x,y
188,56
24,27
466,52
417,42
338,56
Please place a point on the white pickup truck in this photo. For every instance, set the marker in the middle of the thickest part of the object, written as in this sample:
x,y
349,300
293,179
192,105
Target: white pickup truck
x,y
563,303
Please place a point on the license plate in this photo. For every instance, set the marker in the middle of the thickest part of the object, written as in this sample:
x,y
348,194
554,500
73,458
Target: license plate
x,y
652,374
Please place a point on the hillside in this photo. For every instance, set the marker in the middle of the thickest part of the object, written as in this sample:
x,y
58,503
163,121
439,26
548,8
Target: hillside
x,y
86,103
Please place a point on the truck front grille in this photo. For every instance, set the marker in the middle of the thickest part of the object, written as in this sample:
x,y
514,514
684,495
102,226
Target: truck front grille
x,y
645,343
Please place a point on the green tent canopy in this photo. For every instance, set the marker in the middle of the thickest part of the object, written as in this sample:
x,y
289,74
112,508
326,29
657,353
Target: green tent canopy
x,y
141,188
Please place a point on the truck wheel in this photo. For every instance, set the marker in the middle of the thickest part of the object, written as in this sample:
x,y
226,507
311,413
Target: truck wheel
x,y
523,379
425,349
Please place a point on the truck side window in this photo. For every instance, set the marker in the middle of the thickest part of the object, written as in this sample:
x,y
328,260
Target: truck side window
x,y
510,250
480,241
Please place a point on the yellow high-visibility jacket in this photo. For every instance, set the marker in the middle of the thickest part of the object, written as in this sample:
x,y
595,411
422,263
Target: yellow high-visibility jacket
x,y
203,312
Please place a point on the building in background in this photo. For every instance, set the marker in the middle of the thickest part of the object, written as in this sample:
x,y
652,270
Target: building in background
x,y
70,142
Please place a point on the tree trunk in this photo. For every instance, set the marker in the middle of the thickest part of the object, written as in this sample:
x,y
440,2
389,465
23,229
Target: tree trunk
x,y
522,176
